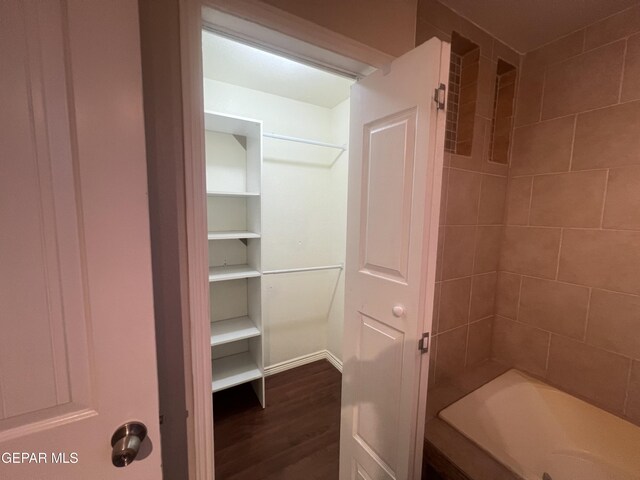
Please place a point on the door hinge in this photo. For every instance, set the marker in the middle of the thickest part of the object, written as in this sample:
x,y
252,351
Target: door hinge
x,y
440,96
423,343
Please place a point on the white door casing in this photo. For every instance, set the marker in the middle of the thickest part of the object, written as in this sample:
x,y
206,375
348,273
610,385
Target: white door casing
x,y
77,349
395,174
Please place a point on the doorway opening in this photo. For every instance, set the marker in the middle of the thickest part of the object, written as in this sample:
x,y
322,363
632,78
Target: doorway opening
x,y
276,151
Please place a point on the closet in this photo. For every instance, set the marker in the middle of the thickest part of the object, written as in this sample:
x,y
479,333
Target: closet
x,y
276,135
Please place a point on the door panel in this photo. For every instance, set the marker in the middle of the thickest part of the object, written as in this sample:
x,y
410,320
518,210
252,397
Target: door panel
x,y
387,191
77,350
376,415
395,175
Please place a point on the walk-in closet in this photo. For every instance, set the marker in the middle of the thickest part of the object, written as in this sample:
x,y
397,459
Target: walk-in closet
x,y
276,133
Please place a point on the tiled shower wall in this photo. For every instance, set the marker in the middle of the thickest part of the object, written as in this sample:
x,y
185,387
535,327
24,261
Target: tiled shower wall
x,y
568,297
472,214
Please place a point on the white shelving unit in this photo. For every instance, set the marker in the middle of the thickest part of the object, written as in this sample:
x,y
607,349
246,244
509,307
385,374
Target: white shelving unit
x,y
232,272
234,370
232,194
232,330
232,235
234,216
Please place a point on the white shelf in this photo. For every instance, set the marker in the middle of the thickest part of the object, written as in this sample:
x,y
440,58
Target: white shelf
x,y
232,330
233,194
232,272
232,234
234,370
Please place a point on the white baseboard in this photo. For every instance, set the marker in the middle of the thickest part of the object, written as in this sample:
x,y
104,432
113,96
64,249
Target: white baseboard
x,y
303,360
333,360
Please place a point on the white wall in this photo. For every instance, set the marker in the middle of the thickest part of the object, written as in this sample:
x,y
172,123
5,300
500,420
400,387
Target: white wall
x,y
304,218
340,133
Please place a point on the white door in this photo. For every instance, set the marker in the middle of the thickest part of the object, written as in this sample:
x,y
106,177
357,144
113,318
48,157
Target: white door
x,y
77,349
396,145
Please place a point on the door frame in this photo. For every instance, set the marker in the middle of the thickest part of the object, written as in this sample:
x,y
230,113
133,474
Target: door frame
x,y
306,41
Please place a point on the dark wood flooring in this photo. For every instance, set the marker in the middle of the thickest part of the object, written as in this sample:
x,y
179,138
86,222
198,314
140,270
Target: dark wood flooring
x,y
296,437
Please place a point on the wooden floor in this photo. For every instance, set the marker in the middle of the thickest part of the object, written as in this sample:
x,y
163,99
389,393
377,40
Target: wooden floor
x,y
295,438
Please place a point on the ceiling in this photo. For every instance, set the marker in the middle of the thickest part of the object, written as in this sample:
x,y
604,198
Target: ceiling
x,y
528,24
232,62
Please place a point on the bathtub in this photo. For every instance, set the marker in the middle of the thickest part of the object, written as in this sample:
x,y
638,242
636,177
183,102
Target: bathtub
x,y
539,432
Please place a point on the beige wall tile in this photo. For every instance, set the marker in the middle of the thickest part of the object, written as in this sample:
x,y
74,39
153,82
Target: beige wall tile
x,y
518,201
608,138
438,15
554,306
568,200
486,87
601,258
457,260
452,347
631,81
590,372
474,161
492,198
529,96
622,206
571,86
561,49
440,254
504,52
483,294
477,36
479,343
614,322
542,147
443,195
530,251
520,346
436,308
632,410
613,28
508,295
487,249
425,31
462,197
454,303
433,351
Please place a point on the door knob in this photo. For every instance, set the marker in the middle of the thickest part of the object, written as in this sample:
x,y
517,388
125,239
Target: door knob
x,y
398,311
126,443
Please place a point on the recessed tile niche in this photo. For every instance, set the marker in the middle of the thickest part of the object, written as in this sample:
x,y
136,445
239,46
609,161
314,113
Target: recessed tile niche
x,y
463,93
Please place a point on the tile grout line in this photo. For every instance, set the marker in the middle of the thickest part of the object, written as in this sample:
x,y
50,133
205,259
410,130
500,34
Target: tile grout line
x,y
586,320
469,324
473,268
544,86
444,240
628,387
582,170
546,363
582,112
530,203
622,72
547,279
567,337
519,297
559,254
573,142
604,198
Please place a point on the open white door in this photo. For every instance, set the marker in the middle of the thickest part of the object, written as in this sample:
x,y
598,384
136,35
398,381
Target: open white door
x,y
77,349
395,172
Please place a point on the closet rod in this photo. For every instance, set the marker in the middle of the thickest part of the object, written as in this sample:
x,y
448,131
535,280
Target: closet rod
x,y
304,140
306,269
